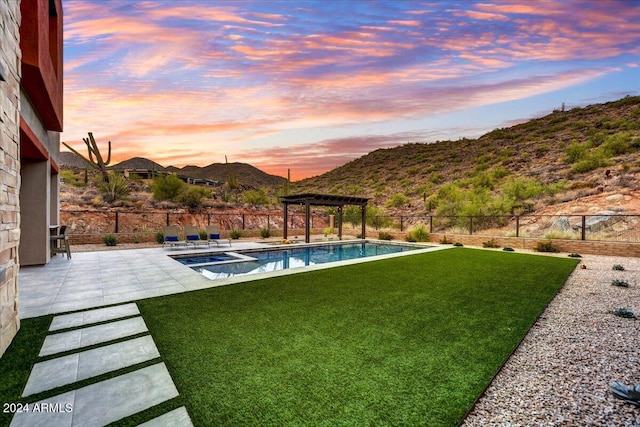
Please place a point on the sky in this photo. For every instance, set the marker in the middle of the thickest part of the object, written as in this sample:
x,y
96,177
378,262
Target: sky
x,y
308,86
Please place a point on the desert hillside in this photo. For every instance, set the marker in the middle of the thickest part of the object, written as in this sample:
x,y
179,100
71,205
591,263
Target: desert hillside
x,y
582,160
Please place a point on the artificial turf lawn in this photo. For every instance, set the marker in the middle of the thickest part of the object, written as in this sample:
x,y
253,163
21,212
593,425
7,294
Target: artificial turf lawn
x,y
405,341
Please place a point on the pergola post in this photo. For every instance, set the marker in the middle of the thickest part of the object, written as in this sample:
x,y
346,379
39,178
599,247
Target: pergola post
x,y
364,221
285,229
307,216
340,222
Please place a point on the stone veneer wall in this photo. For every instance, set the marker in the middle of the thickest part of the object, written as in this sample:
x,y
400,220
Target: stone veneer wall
x,y
9,170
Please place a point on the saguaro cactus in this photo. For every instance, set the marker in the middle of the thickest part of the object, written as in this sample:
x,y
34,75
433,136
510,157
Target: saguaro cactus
x,y
93,150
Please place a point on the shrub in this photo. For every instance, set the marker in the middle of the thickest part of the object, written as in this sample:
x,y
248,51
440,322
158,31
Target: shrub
x,y
490,244
203,235
115,189
508,249
589,163
159,237
575,255
192,197
397,200
458,244
235,234
620,283
624,312
384,235
574,153
167,187
256,197
418,234
618,267
110,240
445,241
546,246
327,231
265,232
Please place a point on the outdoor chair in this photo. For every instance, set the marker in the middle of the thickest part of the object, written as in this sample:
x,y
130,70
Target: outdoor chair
x,y
213,235
192,235
60,242
172,237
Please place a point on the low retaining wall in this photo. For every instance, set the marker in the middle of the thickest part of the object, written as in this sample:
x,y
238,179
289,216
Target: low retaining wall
x,y
593,247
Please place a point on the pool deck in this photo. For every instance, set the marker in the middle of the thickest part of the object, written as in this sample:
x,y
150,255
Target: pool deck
x,y
96,279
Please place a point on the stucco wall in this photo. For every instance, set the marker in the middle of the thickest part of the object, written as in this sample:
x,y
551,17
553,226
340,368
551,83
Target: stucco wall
x,y
9,170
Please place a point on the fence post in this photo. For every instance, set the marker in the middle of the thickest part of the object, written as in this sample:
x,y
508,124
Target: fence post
x,y
430,223
208,218
268,222
470,225
243,221
116,222
167,219
517,225
584,226
401,223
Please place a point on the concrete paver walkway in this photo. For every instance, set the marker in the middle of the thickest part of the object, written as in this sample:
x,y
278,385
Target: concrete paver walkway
x,y
105,401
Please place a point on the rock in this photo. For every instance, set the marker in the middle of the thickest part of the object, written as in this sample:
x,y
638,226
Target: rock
x,y
562,223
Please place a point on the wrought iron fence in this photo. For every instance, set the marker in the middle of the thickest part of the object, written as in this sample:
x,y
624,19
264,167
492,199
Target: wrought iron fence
x,y
600,227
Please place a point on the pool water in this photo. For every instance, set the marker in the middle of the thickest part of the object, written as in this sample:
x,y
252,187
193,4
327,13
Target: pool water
x,y
267,260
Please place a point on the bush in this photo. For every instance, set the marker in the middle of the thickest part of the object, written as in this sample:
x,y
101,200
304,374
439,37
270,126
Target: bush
x,y
397,200
265,232
418,234
115,189
458,244
624,312
192,197
490,244
256,197
445,241
618,267
508,249
159,237
384,235
574,255
589,163
327,231
167,187
110,240
203,235
235,234
574,153
620,283
546,246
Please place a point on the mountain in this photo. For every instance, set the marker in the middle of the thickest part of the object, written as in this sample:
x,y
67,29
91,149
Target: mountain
x,y
246,174
564,155
138,163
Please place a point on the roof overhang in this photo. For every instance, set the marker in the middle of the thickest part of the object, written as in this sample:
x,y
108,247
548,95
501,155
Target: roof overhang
x,y
315,199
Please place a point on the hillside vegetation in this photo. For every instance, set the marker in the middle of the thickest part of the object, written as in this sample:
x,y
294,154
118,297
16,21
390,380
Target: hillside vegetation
x,y
556,158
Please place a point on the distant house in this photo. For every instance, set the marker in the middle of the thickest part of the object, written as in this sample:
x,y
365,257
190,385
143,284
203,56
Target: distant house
x,y
30,125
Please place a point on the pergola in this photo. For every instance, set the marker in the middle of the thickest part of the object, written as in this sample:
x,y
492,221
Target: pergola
x,y
312,199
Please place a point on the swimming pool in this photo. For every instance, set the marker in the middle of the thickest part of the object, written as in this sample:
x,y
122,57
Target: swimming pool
x,y
231,264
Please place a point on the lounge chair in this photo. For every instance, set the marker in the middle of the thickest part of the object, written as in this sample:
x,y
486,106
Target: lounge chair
x,y
60,242
172,236
213,235
192,234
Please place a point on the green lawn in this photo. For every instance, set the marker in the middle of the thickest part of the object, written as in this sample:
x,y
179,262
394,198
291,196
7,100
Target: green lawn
x,y
406,341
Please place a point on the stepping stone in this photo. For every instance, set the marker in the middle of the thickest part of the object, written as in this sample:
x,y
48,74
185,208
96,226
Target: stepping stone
x,y
177,417
93,316
91,335
107,401
77,367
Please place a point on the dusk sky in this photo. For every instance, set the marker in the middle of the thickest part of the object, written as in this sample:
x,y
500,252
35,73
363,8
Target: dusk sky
x,y
311,85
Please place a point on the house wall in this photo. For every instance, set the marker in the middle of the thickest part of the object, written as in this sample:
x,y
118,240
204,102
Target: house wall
x,y
40,124
9,170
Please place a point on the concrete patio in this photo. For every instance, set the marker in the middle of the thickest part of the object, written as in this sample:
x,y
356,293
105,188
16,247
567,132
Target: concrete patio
x,y
95,279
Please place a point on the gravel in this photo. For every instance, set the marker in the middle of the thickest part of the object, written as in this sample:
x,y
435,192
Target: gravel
x,y
561,373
